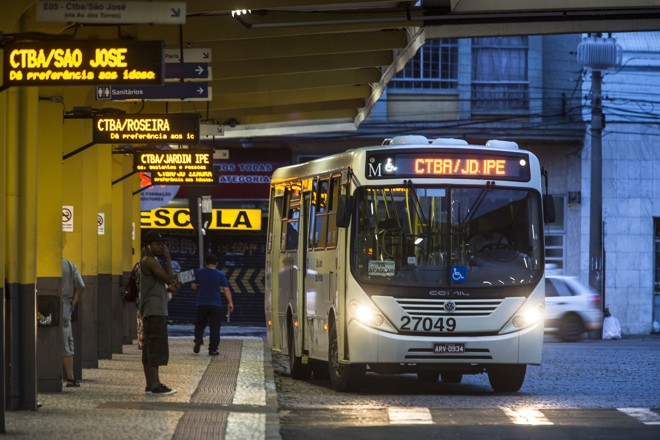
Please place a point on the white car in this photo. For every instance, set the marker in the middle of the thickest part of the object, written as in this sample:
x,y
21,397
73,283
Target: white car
x,y
571,308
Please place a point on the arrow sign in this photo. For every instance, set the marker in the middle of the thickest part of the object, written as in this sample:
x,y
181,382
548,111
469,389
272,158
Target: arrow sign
x,y
175,91
112,12
196,55
188,71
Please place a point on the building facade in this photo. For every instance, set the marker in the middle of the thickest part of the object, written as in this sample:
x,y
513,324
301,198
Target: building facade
x,y
532,90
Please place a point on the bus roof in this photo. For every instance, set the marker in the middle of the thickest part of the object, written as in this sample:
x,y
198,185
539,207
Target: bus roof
x,y
343,160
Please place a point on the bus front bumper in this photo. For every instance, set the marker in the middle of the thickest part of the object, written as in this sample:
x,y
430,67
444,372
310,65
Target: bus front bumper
x,y
370,346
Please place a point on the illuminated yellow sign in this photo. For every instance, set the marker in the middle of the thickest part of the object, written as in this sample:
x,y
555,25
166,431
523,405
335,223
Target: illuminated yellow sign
x,y
83,62
176,167
448,163
176,128
179,218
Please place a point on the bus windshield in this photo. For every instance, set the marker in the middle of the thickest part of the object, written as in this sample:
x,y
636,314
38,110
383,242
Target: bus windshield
x,y
447,236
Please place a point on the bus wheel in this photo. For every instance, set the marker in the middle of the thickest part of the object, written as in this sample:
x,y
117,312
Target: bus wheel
x,y
430,376
296,367
344,377
506,378
451,377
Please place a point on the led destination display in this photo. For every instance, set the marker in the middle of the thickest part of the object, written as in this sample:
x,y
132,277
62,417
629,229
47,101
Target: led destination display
x,y
83,62
146,129
176,167
448,163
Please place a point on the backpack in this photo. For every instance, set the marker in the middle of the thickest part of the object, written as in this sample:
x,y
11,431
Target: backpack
x,y
132,288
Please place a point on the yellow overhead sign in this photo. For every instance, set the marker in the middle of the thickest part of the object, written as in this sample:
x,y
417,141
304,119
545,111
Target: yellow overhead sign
x,y
179,218
77,62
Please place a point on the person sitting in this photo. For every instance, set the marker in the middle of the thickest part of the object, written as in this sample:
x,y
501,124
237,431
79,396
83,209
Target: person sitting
x,y
487,237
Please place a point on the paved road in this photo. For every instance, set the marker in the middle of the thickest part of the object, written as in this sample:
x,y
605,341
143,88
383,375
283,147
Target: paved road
x,y
589,389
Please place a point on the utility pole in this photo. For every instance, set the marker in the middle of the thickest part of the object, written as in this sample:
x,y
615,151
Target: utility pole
x,y
596,205
597,54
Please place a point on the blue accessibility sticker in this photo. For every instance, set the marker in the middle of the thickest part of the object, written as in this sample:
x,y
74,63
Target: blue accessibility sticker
x,y
459,274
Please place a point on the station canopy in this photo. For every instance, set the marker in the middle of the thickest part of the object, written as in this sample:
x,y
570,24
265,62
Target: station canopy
x,y
283,67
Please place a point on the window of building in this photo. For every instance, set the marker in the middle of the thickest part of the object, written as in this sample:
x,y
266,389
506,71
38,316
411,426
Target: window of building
x,y
555,237
434,66
499,74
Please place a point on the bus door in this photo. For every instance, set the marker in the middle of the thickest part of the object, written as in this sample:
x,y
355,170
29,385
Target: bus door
x,y
305,315
289,257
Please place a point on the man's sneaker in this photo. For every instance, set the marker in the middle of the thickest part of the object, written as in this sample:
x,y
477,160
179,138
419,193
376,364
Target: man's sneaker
x,y
196,347
147,390
163,390
214,353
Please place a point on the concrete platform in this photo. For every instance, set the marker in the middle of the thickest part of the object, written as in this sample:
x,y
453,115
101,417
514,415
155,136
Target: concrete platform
x,y
231,396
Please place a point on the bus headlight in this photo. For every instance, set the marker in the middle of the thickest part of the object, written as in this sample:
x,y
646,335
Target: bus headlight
x,y
365,314
529,316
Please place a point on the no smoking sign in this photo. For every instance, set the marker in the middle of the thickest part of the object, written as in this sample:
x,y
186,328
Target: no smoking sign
x,y
67,218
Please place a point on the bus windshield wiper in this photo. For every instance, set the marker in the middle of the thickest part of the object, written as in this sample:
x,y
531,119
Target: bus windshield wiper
x,y
477,202
418,207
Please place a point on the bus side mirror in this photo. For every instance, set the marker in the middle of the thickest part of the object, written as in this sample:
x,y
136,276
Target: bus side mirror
x,y
548,209
344,211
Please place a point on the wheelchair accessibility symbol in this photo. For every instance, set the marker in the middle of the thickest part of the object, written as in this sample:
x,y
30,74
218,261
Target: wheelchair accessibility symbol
x,y
459,274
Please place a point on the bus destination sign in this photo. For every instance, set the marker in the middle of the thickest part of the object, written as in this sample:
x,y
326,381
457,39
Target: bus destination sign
x,y
83,62
159,129
448,163
176,167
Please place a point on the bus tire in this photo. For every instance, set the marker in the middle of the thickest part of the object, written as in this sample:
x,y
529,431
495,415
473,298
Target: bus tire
x,y
506,378
297,369
451,377
344,377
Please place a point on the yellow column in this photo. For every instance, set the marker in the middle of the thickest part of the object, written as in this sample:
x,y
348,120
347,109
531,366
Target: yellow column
x,y
80,183
108,311
49,243
21,254
123,257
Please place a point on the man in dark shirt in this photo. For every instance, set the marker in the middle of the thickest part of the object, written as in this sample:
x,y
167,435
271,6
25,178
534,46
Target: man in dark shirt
x,y
209,282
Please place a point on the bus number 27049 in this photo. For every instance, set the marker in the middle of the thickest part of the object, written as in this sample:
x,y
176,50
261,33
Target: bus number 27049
x,y
418,323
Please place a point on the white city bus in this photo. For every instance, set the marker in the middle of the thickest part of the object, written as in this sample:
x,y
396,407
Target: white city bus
x,y
414,256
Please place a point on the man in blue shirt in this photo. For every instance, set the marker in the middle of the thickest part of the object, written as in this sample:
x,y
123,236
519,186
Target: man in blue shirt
x,y
209,282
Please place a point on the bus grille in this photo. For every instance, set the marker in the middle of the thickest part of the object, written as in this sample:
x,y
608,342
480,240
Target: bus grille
x,y
436,307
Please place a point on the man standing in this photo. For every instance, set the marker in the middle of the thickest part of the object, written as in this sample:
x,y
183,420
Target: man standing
x,y
154,280
210,281
72,289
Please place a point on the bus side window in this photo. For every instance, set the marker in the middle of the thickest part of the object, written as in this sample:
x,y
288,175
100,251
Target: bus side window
x,y
321,221
333,202
312,236
289,239
276,212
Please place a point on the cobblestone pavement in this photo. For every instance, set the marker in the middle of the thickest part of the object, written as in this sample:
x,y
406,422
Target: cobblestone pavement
x,y
231,396
586,374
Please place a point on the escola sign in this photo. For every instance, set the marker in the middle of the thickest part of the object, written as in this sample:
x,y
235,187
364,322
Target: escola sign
x,y
179,218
